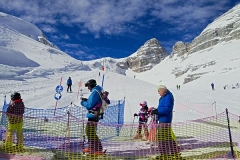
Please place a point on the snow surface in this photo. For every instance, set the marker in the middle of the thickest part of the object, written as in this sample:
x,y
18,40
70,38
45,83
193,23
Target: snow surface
x,y
20,25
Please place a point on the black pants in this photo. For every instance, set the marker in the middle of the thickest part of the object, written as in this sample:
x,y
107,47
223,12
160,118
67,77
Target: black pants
x,y
69,87
94,143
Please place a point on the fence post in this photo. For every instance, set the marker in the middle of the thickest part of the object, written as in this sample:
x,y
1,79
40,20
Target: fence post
x,y
118,118
83,132
230,135
215,106
68,128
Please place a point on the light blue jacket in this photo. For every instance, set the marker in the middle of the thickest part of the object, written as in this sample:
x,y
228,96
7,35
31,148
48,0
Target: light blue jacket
x,y
165,108
92,99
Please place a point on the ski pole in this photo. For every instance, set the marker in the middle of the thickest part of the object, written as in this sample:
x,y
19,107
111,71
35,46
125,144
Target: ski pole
x,y
82,123
132,127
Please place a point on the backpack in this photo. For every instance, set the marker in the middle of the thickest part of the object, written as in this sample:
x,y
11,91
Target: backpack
x,y
103,106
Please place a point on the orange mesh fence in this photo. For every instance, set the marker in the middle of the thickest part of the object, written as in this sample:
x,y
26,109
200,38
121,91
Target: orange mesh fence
x,y
68,137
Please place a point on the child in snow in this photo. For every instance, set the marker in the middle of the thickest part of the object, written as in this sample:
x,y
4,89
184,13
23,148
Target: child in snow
x,y
153,130
143,118
100,107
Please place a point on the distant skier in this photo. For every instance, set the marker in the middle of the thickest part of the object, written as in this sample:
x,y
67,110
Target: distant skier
x,y
224,87
212,85
69,84
179,87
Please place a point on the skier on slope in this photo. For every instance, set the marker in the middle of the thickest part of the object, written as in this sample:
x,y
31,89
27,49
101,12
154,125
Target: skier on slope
x,y
93,101
69,84
143,118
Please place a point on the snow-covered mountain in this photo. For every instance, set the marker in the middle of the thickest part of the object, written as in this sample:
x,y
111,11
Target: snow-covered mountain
x,y
186,64
222,29
25,28
38,56
23,56
211,57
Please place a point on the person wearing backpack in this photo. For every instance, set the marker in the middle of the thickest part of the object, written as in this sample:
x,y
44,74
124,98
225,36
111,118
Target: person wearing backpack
x,y
93,101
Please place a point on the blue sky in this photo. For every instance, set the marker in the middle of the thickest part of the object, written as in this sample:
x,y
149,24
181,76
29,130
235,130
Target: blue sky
x,y
91,29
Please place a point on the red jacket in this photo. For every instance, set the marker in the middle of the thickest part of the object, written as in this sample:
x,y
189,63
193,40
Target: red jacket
x,y
15,111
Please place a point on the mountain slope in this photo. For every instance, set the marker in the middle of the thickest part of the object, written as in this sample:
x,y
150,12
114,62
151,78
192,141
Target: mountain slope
x,y
213,56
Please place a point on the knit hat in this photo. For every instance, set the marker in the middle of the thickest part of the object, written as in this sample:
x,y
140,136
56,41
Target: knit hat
x,y
143,103
15,96
162,87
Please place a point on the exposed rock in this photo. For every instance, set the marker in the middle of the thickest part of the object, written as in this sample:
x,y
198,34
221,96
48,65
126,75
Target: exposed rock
x,y
224,28
148,55
192,77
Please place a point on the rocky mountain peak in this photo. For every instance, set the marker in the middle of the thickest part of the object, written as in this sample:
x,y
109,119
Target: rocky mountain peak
x,y
223,28
147,56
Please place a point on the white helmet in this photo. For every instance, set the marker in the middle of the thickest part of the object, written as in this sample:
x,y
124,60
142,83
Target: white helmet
x,y
143,103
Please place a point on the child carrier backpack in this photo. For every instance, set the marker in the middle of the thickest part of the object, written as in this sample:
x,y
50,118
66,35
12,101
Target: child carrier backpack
x,y
103,106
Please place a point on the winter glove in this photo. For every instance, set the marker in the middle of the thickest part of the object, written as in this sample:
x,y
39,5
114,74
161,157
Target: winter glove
x,y
135,114
154,112
84,99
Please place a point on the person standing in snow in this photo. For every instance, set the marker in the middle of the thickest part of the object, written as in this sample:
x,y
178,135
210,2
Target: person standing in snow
x,y
15,113
93,101
166,138
69,84
143,119
212,85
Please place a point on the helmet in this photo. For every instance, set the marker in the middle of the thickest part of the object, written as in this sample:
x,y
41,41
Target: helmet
x,y
15,96
143,103
91,83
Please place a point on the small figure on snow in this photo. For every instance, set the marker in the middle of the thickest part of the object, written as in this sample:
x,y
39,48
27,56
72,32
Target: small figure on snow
x,y
69,84
143,118
212,85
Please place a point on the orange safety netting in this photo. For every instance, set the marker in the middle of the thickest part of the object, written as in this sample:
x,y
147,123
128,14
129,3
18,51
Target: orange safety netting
x,y
66,137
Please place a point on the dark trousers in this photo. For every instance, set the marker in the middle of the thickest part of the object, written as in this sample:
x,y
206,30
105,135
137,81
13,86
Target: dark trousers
x,y
94,143
69,87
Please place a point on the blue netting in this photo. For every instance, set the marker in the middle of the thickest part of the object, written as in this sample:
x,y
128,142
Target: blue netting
x,y
114,114
4,117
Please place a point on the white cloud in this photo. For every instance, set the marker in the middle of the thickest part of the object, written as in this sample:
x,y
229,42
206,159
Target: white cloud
x,y
48,29
113,17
